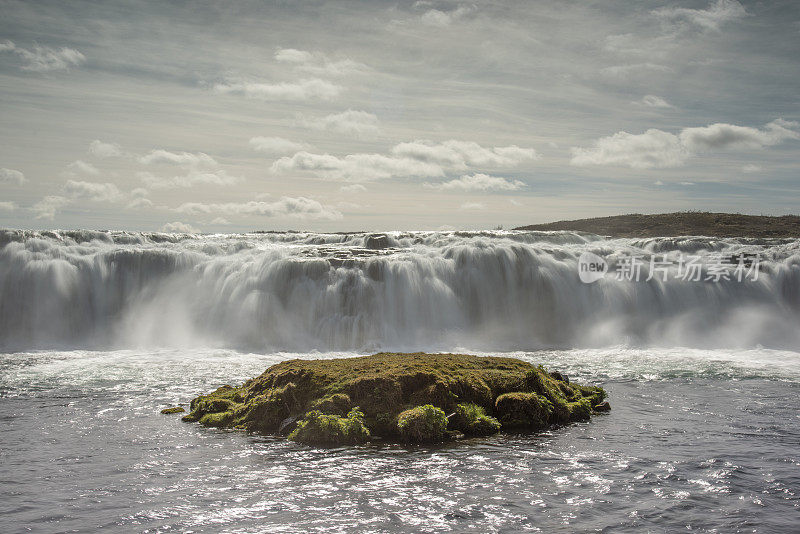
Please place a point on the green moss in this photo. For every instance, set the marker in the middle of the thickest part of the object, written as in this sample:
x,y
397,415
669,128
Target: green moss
x,y
219,419
323,429
422,424
174,409
520,410
338,404
471,419
385,385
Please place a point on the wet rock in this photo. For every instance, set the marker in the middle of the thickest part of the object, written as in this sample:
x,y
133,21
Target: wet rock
x,y
376,242
603,407
174,409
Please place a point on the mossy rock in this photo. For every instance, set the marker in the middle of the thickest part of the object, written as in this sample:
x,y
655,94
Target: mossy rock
x,y
174,409
385,385
422,424
521,410
472,420
317,428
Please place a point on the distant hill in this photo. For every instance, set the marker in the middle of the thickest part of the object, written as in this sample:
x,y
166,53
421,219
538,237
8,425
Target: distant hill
x,y
681,223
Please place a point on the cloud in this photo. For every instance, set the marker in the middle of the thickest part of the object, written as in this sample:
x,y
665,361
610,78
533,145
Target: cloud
x,y
83,167
660,149
139,199
717,14
276,145
221,221
419,158
191,178
653,101
309,89
459,155
140,203
478,182
654,148
11,176
7,206
100,149
44,58
98,192
353,188
184,159
351,122
472,206
439,18
342,67
49,206
178,227
722,136
356,167
295,207
750,168
318,64
625,71
291,55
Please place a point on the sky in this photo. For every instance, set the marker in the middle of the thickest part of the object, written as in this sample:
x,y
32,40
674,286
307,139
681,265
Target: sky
x,y
212,116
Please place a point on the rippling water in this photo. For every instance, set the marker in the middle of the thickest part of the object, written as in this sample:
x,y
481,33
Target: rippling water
x,y
697,440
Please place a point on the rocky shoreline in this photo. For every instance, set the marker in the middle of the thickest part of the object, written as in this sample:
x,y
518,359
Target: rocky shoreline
x,y
412,398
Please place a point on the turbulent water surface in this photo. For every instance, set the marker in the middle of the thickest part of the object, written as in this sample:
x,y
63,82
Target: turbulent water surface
x,y
101,330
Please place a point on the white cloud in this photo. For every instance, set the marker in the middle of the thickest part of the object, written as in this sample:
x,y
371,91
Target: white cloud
x,y
479,182
458,155
419,158
98,192
660,149
221,221
725,136
191,178
83,167
313,88
654,148
343,67
184,159
291,55
353,188
654,101
49,206
295,207
717,14
139,199
178,227
356,167
100,149
11,176
318,64
625,71
44,58
750,168
472,206
7,206
276,145
140,203
438,18
351,122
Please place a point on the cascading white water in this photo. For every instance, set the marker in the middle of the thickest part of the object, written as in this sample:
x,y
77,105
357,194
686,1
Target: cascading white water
x,y
419,290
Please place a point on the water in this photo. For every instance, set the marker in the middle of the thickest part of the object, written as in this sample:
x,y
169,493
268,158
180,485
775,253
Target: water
x,y
110,328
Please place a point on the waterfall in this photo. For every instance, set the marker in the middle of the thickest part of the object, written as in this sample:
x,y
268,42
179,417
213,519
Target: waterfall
x,y
500,290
